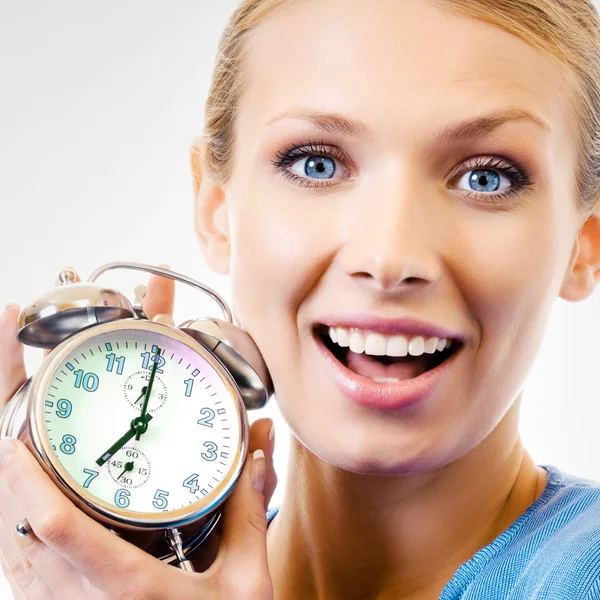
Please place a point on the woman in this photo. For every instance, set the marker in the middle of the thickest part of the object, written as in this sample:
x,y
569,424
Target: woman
x,y
379,178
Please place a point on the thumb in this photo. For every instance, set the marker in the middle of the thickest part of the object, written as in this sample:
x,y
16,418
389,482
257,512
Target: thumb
x,y
244,529
12,362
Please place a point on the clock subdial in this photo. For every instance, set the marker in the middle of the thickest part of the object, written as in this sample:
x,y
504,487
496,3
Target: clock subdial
x,y
135,389
129,467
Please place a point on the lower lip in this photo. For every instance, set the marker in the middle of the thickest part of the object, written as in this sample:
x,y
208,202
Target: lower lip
x,y
385,396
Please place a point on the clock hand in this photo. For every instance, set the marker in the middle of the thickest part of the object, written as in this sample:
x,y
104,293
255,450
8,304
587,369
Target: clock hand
x,y
128,467
148,392
142,394
139,425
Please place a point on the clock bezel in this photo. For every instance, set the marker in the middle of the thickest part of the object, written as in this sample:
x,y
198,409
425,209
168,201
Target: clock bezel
x,y
82,497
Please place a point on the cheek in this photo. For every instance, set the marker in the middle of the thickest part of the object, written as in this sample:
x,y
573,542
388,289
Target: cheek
x,y
279,249
510,271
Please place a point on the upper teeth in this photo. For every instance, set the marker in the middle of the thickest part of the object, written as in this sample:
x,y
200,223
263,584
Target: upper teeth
x,y
379,344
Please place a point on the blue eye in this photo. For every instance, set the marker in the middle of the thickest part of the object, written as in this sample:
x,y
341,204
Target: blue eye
x,y
490,179
482,180
318,167
312,165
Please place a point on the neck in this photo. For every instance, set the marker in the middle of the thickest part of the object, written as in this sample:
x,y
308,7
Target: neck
x,y
344,535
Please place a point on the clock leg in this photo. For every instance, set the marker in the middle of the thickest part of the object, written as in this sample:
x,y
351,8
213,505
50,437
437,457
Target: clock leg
x,y
176,543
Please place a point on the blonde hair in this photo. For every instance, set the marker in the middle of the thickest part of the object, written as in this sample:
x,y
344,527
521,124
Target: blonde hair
x,y
566,29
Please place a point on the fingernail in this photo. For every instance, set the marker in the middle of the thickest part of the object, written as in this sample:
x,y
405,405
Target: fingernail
x,y
259,469
164,266
272,439
7,449
12,305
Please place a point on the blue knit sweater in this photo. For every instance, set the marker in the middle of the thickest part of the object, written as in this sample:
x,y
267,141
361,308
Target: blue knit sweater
x,y
551,552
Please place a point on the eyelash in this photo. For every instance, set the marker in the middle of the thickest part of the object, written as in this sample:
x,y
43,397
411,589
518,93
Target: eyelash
x,y
517,174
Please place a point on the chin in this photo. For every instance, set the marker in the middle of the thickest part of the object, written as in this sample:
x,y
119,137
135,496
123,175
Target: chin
x,y
369,452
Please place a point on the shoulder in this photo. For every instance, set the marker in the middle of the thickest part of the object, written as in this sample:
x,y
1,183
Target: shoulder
x,y
560,538
271,512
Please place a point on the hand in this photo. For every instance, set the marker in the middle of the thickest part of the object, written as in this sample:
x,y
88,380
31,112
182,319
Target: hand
x,y
71,557
128,467
142,425
142,395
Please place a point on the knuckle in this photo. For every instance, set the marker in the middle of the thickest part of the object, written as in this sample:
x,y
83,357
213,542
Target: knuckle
x,y
258,521
14,472
23,574
55,529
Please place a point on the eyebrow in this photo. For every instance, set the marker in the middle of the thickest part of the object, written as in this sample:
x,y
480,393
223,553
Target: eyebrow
x,y
471,128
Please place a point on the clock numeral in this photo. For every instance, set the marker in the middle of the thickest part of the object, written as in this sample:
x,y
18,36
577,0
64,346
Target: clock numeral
x,y
191,483
211,454
90,380
122,498
64,408
92,476
189,386
155,356
160,499
207,416
111,363
68,444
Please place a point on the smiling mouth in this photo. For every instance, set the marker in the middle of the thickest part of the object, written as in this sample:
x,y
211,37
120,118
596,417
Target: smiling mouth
x,y
385,369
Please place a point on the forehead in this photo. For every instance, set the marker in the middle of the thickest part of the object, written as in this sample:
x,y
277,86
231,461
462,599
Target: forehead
x,y
404,68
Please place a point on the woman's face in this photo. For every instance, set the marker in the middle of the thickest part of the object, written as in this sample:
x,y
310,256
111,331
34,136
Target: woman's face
x,y
473,231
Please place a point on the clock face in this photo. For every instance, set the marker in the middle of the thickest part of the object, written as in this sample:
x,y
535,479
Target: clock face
x,y
189,433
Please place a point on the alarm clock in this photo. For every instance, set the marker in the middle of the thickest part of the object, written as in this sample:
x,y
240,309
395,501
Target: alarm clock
x,y
143,425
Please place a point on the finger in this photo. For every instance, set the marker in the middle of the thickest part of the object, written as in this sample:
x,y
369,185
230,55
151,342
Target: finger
x,y
164,318
59,576
243,539
160,296
12,363
102,557
17,595
33,566
58,282
24,579
271,476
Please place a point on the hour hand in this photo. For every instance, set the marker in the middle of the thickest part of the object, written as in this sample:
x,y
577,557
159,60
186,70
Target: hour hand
x,y
138,425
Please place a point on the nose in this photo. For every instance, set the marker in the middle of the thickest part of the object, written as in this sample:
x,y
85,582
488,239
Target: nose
x,y
392,235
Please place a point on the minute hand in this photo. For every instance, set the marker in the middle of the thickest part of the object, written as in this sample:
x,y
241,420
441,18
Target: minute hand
x,y
148,391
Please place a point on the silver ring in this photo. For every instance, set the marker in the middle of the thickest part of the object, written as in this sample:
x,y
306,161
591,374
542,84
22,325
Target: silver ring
x,y
23,528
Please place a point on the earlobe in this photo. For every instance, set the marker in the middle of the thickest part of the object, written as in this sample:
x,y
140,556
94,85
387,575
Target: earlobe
x,y
210,212
583,273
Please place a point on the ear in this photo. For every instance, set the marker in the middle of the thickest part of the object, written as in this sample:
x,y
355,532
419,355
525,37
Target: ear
x,y
210,212
584,267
